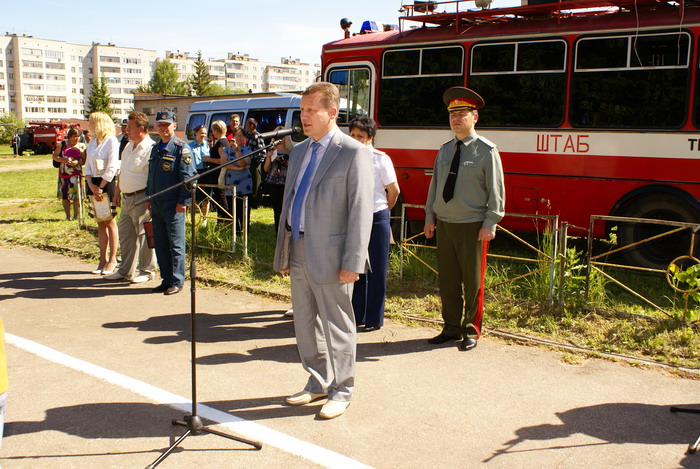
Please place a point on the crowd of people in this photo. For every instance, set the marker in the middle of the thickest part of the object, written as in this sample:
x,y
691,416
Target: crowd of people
x,y
331,196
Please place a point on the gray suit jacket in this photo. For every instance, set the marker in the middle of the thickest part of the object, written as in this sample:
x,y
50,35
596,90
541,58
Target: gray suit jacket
x,y
338,212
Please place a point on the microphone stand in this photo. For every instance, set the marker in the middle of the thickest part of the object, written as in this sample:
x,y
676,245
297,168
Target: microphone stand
x,y
193,422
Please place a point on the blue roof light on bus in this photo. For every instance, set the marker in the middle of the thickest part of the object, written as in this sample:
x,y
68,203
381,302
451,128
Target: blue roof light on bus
x,y
369,27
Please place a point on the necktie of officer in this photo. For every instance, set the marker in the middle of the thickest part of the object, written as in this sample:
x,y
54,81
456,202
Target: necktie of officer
x,y
301,191
448,191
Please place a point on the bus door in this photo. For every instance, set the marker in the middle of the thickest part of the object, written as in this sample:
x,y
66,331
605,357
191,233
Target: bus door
x,y
356,91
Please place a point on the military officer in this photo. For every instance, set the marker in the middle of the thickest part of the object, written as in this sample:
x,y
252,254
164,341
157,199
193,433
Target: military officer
x,y
170,163
467,197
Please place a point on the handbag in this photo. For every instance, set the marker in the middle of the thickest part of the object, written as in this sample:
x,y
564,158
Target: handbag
x,y
56,164
148,229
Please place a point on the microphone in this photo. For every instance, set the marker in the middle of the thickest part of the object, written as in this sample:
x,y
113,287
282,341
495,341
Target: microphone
x,y
278,134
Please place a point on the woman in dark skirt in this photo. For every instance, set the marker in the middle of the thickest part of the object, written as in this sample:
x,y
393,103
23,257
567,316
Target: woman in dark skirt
x,y
218,154
101,167
370,290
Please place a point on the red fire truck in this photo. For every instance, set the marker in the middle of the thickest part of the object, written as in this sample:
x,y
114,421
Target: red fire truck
x,y
593,105
42,137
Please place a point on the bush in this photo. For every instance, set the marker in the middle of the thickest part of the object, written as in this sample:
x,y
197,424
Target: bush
x,y
9,125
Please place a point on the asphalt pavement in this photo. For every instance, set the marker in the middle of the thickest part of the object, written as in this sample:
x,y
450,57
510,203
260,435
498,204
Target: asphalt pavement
x,y
99,369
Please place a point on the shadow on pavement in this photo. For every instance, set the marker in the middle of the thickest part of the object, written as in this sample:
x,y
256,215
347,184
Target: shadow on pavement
x,y
212,328
613,423
44,285
252,326
103,420
118,420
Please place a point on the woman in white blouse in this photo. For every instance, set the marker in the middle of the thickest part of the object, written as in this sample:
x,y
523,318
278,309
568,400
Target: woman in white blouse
x,y
101,169
370,290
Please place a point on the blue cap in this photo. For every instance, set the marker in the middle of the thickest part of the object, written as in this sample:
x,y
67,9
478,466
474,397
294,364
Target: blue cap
x,y
165,116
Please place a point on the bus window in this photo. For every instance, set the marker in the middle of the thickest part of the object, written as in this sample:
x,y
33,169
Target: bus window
x,y
523,83
353,84
195,120
696,107
267,119
296,122
638,81
225,117
415,79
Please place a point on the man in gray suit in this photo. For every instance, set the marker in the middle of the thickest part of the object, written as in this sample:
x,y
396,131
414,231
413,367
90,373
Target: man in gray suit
x,y
323,245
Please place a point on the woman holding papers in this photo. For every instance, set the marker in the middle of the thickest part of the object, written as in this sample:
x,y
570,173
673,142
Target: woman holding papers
x,y
101,167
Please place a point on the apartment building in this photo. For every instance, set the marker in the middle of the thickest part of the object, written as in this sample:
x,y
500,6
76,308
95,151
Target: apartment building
x,y
42,79
240,71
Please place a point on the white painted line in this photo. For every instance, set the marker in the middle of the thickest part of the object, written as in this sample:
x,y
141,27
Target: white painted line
x,y
242,427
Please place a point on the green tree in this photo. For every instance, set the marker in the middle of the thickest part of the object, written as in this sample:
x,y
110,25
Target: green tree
x,y
201,80
216,89
9,125
99,99
164,81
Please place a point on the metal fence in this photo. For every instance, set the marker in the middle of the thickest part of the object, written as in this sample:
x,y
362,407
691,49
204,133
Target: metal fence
x,y
224,219
554,258
543,260
594,264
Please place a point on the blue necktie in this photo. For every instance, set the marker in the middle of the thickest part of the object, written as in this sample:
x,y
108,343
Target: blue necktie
x,y
301,192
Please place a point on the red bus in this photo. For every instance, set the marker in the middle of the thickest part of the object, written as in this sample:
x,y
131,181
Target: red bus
x,y
593,105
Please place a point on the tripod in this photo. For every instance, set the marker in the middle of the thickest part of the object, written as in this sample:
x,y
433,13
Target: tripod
x,y
193,422
693,447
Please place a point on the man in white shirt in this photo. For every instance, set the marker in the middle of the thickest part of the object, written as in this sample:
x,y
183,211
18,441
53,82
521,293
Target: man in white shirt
x,y
138,260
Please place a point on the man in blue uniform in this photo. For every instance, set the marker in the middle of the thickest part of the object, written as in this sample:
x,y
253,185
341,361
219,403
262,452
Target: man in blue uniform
x,y
170,163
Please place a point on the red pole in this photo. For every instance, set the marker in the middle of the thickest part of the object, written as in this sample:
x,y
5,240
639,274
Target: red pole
x,y
480,308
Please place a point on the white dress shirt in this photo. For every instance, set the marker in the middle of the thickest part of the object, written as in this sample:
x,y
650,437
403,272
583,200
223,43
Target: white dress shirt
x,y
324,142
134,172
384,175
108,152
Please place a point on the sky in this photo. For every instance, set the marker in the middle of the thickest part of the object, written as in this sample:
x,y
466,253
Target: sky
x,y
265,29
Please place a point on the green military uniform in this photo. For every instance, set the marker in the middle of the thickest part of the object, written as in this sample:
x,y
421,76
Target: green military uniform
x,y
478,202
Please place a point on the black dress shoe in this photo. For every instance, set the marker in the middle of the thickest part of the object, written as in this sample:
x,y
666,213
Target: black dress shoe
x,y
160,289
467,344
441,338
172,290
370,328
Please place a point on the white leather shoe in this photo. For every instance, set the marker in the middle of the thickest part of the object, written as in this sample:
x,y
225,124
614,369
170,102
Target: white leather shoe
x,y
304,397
333,409
289,312
114,276
142,278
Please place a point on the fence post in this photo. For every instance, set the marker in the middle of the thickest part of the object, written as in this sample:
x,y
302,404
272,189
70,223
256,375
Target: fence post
x,y
553,264
81,197
234,235
588,259
402,236
245,226
562,261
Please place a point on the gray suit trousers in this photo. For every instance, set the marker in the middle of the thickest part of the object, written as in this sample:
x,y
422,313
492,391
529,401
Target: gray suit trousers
x,y
324,324
137,258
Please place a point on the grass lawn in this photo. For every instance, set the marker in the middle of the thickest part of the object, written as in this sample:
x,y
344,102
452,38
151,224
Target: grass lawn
x,y
610,321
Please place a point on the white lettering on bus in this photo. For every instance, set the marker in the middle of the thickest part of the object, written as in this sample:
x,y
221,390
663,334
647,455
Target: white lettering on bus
x,y
558,143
